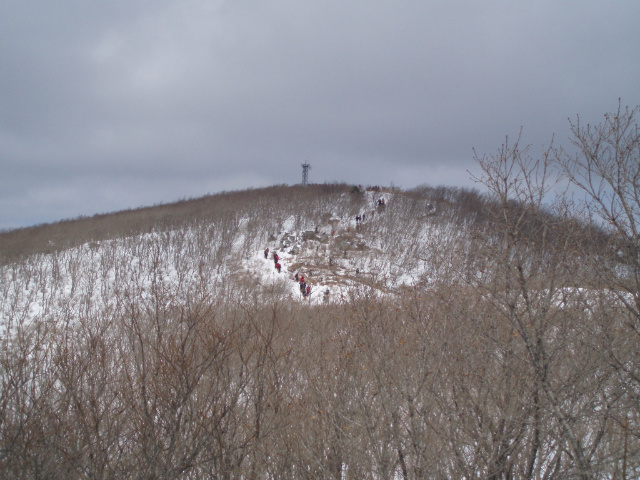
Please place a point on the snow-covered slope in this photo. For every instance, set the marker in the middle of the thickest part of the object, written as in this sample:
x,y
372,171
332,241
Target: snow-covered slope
x,y
390,247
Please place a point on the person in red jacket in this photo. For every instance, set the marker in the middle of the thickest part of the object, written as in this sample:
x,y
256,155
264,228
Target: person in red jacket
x,y
278,267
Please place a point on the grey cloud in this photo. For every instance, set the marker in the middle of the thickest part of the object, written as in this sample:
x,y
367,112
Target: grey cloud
x,y
165,100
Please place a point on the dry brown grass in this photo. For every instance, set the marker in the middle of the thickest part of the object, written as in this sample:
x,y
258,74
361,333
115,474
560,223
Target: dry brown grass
x,y
47,238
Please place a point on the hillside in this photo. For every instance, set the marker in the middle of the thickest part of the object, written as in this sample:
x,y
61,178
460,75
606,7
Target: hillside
x,y
217,244
447,334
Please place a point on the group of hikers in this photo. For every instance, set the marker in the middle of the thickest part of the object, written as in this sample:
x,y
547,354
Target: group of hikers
x,y
305,289
381,202
276,259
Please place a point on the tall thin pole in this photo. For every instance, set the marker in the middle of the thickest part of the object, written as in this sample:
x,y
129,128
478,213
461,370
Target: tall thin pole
x,y
305,174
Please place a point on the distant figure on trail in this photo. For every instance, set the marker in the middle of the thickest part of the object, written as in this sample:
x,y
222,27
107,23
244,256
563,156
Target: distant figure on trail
x,y
297,277
275,257
303,288
266,253
308,290
278,267
363,217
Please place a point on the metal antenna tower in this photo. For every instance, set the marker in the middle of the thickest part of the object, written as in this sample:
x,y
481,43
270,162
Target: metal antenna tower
x,y
305,173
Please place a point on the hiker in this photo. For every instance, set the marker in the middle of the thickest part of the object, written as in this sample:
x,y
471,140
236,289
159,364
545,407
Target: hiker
x,y
278,267
296,277
266,253
308,290
363,217
301,278
275,257
303,288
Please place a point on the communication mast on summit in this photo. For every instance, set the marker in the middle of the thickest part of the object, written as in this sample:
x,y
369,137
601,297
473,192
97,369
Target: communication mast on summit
x,y
305,173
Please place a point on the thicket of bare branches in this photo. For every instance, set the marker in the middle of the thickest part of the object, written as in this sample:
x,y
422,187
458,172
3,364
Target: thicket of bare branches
x,y
446,383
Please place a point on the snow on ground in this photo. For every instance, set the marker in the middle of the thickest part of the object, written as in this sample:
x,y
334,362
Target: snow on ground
x,y
380,254
289,224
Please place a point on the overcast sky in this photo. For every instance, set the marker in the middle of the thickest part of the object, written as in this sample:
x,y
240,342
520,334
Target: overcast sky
x,y
114,104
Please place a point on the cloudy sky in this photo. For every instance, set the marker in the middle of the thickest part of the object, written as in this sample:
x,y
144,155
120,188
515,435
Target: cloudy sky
x,y
113,104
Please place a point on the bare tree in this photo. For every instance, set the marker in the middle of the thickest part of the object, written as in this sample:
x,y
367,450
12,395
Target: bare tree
x,y
536,261
605,171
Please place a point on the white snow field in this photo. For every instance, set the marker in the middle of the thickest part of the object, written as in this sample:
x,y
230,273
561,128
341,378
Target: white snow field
x,y
391,249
